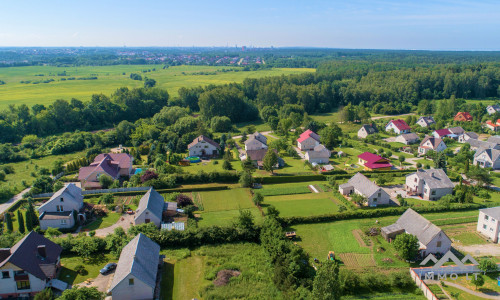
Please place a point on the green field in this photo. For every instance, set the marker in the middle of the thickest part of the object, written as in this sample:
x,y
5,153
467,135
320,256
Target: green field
x,y
110,78
284,189
303,204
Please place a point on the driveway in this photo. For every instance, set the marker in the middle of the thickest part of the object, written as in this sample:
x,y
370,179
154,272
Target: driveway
x,y
300,153
482,249
124,222
101,282
6,205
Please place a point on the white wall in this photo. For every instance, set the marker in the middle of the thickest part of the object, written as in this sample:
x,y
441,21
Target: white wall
x,y
197,150
491,231
139,290
383,199
432,246
146,214
8,285
68,204
308,144
44,224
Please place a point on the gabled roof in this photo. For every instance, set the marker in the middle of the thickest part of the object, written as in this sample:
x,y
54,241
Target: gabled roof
x,y
257,136
415,224
493,212
434,178
70,191
466,115
400,124
481,144
205,139
307,134
494,139
370,128
442,132
140,257
124,160
153,202
495,107
427,120
456,130
374,161
24,254
493,154
320,151
434,142
103,163
409,136
258,155
471,134
362,184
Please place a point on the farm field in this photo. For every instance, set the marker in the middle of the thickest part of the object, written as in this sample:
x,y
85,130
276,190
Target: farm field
x,y
110,78
303,204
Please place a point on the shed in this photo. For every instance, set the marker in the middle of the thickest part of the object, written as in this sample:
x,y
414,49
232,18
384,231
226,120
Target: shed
x,y
391,231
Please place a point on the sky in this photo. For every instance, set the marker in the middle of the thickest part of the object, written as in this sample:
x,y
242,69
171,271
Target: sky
x,y
359,24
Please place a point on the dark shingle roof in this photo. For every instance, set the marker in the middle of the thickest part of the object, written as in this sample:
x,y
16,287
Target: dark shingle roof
x,y
152,201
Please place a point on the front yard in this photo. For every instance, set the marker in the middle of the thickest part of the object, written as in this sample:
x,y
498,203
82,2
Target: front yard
x,y
92,267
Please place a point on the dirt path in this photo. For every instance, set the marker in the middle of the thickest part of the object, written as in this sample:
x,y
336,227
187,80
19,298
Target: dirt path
x,y
6,205
124,222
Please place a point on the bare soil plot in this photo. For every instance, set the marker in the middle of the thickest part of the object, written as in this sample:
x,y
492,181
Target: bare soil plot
x,y
357,260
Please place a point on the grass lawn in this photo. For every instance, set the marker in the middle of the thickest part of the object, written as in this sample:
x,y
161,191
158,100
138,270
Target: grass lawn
x,y
458,294
226,217
292,166
69,262
103,222
232,199
111,77
182,279
424,162
210,166
285,188
386,296
490,283
303,204
23,169
469,238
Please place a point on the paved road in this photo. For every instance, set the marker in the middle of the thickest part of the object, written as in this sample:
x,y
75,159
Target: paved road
x,y
6,205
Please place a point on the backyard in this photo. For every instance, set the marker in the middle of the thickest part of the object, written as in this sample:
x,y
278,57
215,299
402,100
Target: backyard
x,y
92,267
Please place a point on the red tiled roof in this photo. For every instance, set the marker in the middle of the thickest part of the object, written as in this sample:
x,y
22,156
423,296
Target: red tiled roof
x,y
400,124
467,116
374,161
306,134
370,157
443,132
124,160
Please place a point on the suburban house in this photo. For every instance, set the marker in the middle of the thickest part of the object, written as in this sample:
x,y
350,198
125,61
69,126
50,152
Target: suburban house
x,y
488,223
467,136
59,210
361,185
463,116
431,184
430,237
29,266
366,130
150,208
256,141
425,121
204,147
319,155
115,165
441,133
456,131
491,109
397,126
374,162
494,126
407,138
308,140
257,156
487,158
477,144
495,139
137,270
431,143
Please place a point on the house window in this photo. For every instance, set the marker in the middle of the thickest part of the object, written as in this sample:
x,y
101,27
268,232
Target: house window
x,y
491,229
63,222
374,199
438,244
131,281
59,208
486,217
433,193
23,285
5,274
62,199
379,194
484,226
492,220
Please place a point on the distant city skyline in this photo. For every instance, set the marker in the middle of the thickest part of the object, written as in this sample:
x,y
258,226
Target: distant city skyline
x,y
355,24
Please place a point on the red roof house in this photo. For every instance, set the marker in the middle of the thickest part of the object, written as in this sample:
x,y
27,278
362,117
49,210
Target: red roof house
x,y
492,125
374,162
308,140
115,165
441,133
398,126
463,117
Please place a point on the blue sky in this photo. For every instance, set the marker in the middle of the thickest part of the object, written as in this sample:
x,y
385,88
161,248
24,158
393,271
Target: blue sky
x,y
420,24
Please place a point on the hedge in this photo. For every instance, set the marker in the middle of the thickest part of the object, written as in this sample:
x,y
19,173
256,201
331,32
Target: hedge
x,y
16,205
286,179
373,213
177,190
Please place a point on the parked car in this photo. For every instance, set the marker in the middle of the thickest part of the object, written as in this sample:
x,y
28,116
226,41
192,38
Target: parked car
x,y
108,268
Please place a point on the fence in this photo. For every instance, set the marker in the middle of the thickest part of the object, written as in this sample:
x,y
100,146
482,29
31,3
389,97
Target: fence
x,y
91,192
421,285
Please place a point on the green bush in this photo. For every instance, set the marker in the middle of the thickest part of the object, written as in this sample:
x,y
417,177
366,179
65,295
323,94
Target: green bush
x,y
287,179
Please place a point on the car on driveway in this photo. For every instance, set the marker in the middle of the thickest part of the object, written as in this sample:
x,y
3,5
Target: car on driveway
x,y
108,268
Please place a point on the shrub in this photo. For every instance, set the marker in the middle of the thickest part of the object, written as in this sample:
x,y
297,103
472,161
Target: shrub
x,y
148,175
80,269
183,200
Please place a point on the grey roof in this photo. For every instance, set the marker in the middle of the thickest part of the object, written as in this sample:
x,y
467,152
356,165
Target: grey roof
x,y
415,224
434,178
70,191
170,206
456,130
362,184
257,136
319,151
474,143
370,128
140,257
494,139
409,136
434,141
495,107
258,155
24,254
428,120
493,154
393,228
472,135
493,212
153,202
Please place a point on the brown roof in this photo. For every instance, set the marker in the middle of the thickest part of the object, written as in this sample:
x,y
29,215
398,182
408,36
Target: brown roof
x,y
434,141
24,254
258,155
203,138
109,163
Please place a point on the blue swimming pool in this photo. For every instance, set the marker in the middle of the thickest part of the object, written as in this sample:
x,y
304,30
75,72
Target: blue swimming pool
x,y
193,159
137,171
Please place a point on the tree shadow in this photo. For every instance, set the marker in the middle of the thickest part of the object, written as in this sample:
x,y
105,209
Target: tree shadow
x,y
167,281
67,275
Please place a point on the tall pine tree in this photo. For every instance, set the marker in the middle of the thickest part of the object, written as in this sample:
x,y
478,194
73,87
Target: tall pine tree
x,y
8,221
20,221
29,222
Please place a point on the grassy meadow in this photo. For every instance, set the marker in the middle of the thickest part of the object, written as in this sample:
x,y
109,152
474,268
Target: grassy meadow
x,y
110,78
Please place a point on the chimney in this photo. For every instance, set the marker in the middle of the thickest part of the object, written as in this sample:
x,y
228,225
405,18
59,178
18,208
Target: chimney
x,y
432,174
42,251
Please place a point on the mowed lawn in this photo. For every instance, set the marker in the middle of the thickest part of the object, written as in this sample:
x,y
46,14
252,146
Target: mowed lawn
x,y
303,204
69,262
112,77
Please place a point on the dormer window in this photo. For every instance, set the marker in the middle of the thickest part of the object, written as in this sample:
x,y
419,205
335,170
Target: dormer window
x,y
62,199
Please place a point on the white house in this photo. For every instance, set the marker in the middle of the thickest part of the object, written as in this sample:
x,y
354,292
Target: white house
x,y
491,109
361,185
430,237
308,140
137,270
488,223
256,141
477,144
320,155
425,121
59,210
397,126
467,136
407,138
150,209
487,158
367,130
429,184
431,143
28,266
204,147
